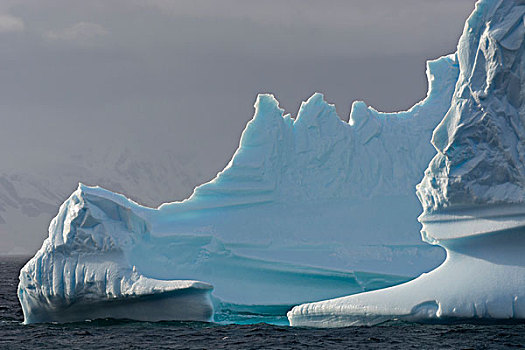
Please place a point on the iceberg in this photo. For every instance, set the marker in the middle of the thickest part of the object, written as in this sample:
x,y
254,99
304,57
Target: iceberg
x,y
303,212
472,193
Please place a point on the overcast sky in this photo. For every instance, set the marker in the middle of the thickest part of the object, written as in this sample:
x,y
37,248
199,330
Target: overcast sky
x,y
183,75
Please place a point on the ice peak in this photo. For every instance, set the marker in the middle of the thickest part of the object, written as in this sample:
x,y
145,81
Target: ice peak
x,y
267,107
316,109
358,114
436,70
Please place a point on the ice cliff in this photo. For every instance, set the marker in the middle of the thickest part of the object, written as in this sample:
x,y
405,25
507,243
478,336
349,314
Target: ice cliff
x,y
309,208
472,192
480,143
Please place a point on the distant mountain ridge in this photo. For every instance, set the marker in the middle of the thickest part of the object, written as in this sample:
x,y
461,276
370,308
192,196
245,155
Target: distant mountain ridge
x,y
28,201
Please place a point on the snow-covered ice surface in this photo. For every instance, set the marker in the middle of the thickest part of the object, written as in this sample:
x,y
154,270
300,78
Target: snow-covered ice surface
x,y
307,209
472,192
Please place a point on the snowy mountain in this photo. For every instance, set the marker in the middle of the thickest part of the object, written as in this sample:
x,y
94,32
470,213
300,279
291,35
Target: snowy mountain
x,y
29,200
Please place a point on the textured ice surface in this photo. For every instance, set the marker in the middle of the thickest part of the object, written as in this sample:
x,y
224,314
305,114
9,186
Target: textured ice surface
x,y
309,190
82,270
307,209
481,140
472,192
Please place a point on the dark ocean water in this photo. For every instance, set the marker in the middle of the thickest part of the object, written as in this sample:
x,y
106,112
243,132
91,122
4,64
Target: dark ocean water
x,y
110,334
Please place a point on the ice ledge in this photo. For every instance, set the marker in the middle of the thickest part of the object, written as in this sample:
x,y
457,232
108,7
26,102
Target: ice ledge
x,y
481,279
145,300
457,223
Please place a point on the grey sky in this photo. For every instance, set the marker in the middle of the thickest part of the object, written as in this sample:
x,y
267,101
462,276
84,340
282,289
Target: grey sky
x,y
183,75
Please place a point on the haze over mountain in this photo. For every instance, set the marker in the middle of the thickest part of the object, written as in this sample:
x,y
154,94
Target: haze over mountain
x,y
149,98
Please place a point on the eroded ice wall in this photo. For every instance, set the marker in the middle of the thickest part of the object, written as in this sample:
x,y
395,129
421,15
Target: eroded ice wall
x,y
481,141
318,189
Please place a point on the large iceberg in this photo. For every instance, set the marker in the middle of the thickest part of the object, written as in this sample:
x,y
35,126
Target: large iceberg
x,y
292,218
473,192
309,208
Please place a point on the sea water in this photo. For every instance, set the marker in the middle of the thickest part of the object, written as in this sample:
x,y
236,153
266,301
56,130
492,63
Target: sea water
x,y
250,331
